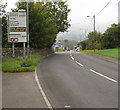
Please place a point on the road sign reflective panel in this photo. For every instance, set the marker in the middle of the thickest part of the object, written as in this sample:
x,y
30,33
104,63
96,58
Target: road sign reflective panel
x,y
14,39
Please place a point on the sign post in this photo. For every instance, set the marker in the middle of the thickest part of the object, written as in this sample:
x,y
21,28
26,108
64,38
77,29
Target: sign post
x,y
13,48
17,28
24,52
119,12
28,45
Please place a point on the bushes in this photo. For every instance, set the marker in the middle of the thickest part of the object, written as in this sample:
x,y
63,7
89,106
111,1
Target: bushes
x,y
88,45
109,39
26,64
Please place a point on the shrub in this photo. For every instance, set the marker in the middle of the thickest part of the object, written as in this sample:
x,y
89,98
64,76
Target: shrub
x,y
26,64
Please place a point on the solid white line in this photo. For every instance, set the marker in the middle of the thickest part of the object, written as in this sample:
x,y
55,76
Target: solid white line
x,y
103,76
79,63
42,92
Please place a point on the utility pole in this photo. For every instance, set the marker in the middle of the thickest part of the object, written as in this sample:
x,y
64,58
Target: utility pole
x,y
94,32
94,23
28,45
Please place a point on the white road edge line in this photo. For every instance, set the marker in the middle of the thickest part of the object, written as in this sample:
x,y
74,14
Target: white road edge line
x,y
103,76
42,92
79,63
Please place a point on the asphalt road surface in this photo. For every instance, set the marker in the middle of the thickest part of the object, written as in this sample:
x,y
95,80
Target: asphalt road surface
x,y
78,80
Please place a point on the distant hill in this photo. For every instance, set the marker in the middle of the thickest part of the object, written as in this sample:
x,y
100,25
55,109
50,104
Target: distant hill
x,y
70,36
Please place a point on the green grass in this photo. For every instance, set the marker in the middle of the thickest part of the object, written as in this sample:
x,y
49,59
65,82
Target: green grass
x,y
113,53
17,64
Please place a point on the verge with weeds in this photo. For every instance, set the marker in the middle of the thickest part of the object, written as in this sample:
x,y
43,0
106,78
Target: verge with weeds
x,y
19,65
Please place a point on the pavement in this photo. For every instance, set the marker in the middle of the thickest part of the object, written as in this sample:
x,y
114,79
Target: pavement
x,y
20,90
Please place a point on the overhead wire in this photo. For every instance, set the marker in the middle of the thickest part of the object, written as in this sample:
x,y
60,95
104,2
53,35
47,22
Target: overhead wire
x,y
103,8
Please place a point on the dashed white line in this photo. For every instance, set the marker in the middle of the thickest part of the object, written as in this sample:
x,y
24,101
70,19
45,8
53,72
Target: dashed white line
x,y
79,63
95,71
43,93
72,58
70,55
103,76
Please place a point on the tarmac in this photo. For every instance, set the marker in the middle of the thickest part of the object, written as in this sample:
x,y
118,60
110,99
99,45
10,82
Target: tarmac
x,y
20,90
109,59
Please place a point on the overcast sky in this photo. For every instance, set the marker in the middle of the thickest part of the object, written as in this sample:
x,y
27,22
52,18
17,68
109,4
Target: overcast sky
x,y
80,9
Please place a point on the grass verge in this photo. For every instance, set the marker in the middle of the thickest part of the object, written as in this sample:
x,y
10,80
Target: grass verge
x,y
113,53
19,65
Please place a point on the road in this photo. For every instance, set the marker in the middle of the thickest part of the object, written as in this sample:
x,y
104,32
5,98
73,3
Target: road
x,y
78,80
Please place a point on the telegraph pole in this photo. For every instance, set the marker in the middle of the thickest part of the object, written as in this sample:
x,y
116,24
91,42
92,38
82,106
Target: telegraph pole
x,y
94,31
94,23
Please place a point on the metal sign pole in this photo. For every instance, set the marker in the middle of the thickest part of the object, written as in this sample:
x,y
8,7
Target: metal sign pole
x,y
13,48
28,45
24,52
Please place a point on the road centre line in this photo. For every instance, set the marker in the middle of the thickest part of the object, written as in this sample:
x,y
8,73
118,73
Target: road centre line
x,y
79,63
103,76
76,61
42,92
70,55
95,71
72,58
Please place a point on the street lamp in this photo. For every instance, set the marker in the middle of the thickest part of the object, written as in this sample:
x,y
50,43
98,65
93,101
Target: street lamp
x,y
94,22
94,27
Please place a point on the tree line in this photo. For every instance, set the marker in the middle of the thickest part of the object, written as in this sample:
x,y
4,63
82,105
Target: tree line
x,y
109,39
46,20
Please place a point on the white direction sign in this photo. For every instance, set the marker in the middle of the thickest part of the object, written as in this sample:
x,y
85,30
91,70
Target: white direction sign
x,y
17,28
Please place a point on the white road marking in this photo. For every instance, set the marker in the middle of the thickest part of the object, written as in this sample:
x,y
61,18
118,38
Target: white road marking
x,y
103,76
67,106
42,92
70,55
79,63
72,58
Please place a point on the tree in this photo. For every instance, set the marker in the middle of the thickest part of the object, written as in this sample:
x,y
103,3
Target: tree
x,y
42,27
59,11
3,19
2,9
46,20
94,40
111,38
